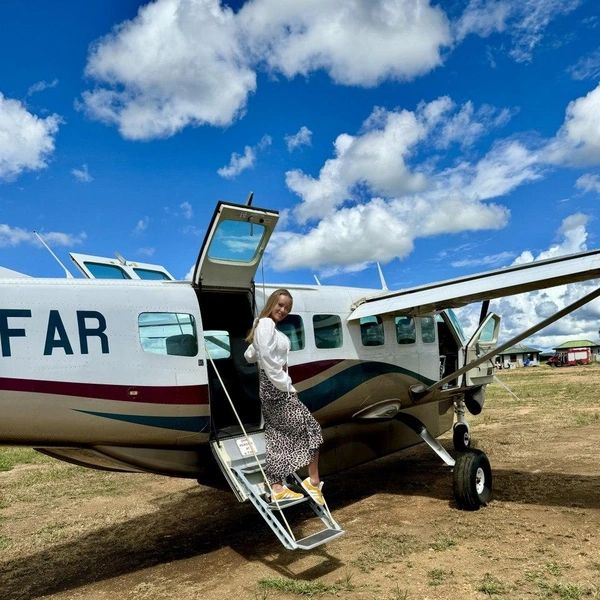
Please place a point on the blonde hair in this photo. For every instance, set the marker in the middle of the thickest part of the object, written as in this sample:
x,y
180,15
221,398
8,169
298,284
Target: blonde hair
x,y
268,309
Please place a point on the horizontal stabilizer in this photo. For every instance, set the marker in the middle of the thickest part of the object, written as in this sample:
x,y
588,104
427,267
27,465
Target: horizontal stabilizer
x,y
454,293
9,273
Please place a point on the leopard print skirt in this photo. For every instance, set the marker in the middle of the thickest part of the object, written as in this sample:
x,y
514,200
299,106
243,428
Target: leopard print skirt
x,y
292,435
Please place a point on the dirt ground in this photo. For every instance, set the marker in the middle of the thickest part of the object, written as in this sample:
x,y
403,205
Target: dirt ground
x,y
70,533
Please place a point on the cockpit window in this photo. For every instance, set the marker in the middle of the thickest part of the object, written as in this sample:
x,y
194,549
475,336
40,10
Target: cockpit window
x,y
168,333
236,241
100,271
456,324
150,274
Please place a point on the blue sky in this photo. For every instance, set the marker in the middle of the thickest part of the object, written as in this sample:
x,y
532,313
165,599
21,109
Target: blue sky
x,y
439,139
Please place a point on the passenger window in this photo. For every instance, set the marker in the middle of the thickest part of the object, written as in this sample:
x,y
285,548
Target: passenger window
x,y
328,331
405,330
371,331
168,333
217,344
293,327
428,330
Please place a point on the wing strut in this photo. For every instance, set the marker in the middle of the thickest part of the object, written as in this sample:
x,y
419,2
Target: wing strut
x,y
419,391
485,305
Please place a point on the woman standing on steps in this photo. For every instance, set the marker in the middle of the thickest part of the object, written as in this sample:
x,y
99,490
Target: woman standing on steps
x,y
292,435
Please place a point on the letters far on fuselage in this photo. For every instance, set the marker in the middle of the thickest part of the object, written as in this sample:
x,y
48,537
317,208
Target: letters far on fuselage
x,y
90,324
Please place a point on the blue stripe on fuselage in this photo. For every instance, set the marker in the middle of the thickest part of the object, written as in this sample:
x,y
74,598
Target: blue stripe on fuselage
x,y
195,424
326,392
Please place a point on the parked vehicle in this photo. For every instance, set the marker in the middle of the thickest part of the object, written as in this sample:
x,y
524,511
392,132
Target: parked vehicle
x,y
571,357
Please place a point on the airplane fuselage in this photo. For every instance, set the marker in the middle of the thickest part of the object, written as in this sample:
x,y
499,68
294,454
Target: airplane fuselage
x,y
118,374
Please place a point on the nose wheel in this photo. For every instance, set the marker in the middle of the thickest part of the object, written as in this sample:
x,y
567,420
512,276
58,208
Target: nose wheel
x,y
472,480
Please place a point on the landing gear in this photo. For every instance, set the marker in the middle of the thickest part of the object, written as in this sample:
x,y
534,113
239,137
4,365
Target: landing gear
x,y
461,432
472,480
461,437
471,471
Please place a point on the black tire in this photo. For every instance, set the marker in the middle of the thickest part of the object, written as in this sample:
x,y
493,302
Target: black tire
x,y
472,480
461,438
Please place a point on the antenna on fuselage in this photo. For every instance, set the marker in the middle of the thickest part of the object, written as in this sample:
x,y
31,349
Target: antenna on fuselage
x,y
317,280
381,277
121,259
250,198
67,273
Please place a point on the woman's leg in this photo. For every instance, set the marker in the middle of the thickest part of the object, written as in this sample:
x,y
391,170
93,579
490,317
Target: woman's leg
x,y
313,470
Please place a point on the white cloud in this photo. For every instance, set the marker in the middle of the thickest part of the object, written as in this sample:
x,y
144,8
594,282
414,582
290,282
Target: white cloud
x,y
525,21
186,208
589,183
26,141
467,125
372,204
193,62
82,174
522,311
376,159
577,143
587,67
11,237
302,138
492,260
402,38
178,63
147,251
40,86
241,162
141,225
381,230
508,165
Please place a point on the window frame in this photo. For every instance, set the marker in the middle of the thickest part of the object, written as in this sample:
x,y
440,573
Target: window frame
x,y
338,330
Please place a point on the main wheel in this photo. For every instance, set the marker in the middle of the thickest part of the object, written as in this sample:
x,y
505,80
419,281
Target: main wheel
x,y
461,438
472,480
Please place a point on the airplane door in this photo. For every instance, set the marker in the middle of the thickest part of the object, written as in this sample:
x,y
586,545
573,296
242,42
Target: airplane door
x,y
233,246
482,342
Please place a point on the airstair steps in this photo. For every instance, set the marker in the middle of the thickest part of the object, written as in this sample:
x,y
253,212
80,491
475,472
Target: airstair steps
x,y
321,537
241,459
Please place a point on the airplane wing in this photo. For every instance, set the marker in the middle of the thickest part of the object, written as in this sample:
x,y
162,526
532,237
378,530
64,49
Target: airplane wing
x,y
454,293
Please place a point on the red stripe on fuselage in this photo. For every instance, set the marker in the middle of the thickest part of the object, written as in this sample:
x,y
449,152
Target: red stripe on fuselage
x,y
188,394
305,371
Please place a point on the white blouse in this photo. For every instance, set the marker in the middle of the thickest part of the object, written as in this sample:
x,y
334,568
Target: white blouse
x,y
270,349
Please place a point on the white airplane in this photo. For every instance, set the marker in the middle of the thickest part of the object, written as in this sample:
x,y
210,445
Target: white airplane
x,y
132,371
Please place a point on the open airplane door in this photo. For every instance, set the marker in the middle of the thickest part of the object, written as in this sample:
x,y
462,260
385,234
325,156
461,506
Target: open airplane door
x,y
233,247
482,342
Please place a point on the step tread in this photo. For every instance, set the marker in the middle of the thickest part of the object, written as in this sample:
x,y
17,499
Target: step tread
x,y
287,503
316,539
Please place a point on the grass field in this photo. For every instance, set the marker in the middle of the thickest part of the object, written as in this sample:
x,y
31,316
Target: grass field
x,y
70,533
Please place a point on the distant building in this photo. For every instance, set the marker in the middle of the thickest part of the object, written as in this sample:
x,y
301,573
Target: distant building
x,y
518,356
576,352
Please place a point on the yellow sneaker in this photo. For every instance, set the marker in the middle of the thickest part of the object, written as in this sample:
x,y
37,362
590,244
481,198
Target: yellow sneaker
x,y
314,491
285,494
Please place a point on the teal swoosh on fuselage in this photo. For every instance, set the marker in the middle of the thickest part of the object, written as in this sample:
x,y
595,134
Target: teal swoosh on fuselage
x,y
195,424
326,392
